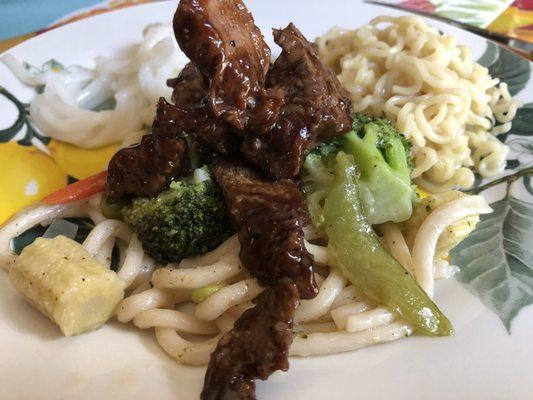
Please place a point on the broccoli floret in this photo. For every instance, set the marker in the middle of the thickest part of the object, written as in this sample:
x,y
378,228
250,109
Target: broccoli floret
x,y
188,219
384,163
317,177
388,139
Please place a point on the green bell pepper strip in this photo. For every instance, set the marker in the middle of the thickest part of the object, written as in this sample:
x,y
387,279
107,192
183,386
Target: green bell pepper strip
x,y
355,249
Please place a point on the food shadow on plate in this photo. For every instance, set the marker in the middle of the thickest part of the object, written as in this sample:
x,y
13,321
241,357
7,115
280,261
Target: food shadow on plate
x,y
177,374
148,340
26,319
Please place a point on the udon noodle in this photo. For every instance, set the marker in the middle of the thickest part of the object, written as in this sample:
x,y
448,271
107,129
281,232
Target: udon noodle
x,y
449,106
339,319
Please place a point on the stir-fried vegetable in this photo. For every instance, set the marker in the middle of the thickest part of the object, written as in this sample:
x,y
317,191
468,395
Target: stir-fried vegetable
x,y
203,293
188,219
355,249
383,158
61,279
78,190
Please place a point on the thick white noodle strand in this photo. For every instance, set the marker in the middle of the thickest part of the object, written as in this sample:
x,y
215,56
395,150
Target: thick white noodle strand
x,y
319,253
194,278
432,227
177,320
145,273
105,252
395,243
348,295
368,319
322,327
133,261
103,231
225,322
231,245
184,351
131,306
335,342
340,314
310,310
216,304
25,220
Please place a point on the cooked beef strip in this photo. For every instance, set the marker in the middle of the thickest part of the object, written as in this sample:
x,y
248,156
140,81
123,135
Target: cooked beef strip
x,y
189,88
246,190
314,95
147,168
279,114
170,120
257,346
221,39
270,216
226,102
315,106
272,247
212,135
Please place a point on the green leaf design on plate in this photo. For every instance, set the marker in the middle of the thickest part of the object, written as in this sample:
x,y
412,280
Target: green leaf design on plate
x,y
521,145
523,122
23,119
506,65
522,126
85,225
27,238
490,56
497,259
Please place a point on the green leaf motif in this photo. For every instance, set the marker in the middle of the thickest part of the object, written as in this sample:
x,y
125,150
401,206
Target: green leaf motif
x,y
521,145
523,122
85,225
507,66
9,133
490,56
497,259
528,184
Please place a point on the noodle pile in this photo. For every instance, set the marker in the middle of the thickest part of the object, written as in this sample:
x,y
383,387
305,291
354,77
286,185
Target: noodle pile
x,y
127,86
338,319
449,106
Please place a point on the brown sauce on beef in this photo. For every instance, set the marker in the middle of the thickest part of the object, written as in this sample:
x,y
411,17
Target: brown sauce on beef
x,y
233,104
147,168
221,39
312,105
211,135
257,346
270,216
246,190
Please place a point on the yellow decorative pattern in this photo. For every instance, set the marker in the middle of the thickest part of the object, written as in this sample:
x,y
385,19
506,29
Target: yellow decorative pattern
x,y
26,176
81,163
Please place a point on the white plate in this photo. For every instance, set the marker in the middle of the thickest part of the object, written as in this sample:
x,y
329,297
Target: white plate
x,y
482,360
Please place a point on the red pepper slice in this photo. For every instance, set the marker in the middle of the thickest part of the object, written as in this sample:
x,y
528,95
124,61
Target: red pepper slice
x,y
78,190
